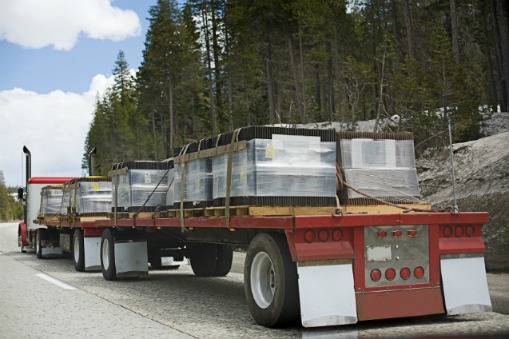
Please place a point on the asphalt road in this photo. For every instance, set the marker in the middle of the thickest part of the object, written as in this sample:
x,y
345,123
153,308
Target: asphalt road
x,y
176,304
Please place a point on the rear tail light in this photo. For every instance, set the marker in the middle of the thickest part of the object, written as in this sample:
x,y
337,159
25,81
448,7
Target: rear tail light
x,y
309,236
447,231
390,274
405,273
382,234
323,235
458,231
470,231
337,235
376,275
419,272
412,233
397,233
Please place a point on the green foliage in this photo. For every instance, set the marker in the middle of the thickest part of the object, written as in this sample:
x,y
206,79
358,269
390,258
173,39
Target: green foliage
x,y
210,66
10,209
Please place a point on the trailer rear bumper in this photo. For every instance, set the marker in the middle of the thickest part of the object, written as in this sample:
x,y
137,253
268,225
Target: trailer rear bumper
x,y
410,302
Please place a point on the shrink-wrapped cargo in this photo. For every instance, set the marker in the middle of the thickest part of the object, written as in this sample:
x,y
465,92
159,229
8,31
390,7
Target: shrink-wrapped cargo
x,y
51,200
378,166
140,186
90,195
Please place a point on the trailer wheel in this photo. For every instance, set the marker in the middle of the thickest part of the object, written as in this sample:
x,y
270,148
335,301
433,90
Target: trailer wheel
x,y
203,260
270,281
224,259
40,235
108,268
79,250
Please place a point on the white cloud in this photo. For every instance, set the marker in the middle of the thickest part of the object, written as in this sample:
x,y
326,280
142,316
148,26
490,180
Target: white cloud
x,y
53,126
37,24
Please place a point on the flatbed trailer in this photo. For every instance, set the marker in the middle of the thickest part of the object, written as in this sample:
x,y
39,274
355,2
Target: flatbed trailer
x,y
327,270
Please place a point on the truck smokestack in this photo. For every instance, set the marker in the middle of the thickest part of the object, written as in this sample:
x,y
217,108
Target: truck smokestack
x,y
28,162
91,157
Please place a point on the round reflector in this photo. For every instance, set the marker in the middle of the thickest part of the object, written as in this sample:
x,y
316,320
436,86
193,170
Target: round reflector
x,y
405,273
397,233
309,236
376,275
337,235
447,231
323,235
458,231
382,234
412,233
390,274
470,231
419,272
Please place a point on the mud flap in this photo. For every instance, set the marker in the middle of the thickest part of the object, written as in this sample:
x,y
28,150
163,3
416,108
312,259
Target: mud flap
x,y
92,253
465,285
131,258
327,295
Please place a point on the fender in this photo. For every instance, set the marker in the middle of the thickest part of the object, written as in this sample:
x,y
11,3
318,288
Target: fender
x,y
22,231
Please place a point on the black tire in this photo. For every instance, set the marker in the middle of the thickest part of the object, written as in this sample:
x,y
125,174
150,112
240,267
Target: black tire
x,y
78,242
108,268
40,235
224,259
270,281
203,260
154,258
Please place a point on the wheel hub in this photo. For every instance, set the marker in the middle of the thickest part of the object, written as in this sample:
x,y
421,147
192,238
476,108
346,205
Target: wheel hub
x,y
263,280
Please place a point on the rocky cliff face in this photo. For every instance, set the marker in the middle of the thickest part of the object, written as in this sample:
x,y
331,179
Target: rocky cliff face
x,y
482,184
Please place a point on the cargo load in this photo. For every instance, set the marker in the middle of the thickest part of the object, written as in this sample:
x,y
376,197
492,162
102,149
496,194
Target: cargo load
x,y
90,195
378,165
140,186
51,200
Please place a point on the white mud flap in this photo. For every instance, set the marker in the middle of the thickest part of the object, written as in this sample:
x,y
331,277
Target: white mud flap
x,y
327,295
92,253
50,252
131,258
465,285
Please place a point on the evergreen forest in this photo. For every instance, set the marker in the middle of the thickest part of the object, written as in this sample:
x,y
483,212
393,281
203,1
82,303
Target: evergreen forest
x,y
210,66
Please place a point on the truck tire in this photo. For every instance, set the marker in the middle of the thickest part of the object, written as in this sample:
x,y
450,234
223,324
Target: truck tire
x,y
224,259
79,250
108,268
154,258
40,235
270,281
203,260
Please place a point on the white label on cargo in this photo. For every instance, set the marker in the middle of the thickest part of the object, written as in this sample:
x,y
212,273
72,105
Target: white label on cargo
x,y
147,178
378,253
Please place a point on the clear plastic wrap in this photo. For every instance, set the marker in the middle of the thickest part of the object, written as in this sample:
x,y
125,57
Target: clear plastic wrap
x,y
66,199
136,186
198,182
51,200
284,166
93,197
381,168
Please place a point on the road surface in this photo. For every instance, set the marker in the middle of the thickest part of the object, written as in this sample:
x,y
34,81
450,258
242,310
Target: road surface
x,y
48,298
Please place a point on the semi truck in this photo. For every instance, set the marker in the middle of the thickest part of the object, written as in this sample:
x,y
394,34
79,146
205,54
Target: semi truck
x,y
360,258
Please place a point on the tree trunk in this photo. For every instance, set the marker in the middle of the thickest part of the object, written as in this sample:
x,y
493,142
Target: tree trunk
x,y
503,97
454,31
296,81
503,12
302,72
489,59
212,112
154,133
216,50
270,81
396,31
409,28
172,121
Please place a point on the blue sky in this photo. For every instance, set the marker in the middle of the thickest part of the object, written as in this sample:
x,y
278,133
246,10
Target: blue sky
x,y
55,57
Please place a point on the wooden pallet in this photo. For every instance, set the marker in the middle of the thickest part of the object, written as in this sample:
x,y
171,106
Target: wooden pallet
x,y
140,215
239,211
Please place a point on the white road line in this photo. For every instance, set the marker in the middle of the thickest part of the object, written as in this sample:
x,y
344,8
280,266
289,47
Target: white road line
x,y
55,281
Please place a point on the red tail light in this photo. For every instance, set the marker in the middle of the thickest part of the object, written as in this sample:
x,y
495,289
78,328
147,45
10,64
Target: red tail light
x,y
470,231
309,236
337,235
458,231
405,273
397,233
323,235
390,274
412,233
419,272
376,275
447,231
382,234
